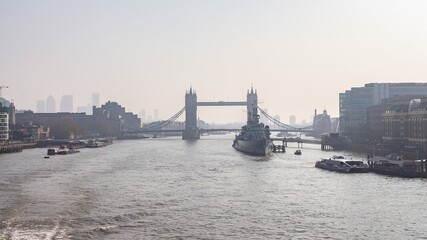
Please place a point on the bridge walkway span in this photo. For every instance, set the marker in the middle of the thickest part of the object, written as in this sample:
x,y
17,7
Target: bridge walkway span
x,y
221,103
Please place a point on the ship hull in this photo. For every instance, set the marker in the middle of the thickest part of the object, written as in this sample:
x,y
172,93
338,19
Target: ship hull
x,y
400,172
254,147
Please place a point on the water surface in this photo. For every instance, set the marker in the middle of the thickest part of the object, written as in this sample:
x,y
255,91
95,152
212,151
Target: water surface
x,y
170,188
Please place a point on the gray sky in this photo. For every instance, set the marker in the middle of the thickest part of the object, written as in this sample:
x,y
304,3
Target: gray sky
x,y
144,54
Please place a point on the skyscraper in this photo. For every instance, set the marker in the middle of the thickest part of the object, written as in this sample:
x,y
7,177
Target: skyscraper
x,y
143,115
95,99
66,103
41,106
156,115
50,104
292,120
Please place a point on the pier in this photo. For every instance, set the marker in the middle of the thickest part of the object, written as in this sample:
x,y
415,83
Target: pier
x,y
332,141
10,148
284,143
297,140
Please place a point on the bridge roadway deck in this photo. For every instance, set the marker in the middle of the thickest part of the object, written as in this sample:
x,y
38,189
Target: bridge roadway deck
x,y
239,129
221,103
222,130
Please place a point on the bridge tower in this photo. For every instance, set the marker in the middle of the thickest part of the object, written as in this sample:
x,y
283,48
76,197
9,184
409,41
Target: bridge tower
x,y
252,106
191,130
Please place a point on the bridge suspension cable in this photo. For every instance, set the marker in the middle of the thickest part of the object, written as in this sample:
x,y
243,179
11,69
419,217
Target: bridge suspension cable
x,y
282,125
167,122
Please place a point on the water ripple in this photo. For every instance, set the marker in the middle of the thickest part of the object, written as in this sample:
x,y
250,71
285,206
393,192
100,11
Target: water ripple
x,y
169,188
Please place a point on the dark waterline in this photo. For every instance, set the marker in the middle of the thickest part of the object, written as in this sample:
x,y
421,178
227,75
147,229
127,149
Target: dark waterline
x,y
170,188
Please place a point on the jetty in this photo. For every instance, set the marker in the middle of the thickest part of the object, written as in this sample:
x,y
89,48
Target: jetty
x,y
297,140
282,144
15,147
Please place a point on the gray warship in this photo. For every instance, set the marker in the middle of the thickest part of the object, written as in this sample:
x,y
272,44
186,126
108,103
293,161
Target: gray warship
x,y
254,138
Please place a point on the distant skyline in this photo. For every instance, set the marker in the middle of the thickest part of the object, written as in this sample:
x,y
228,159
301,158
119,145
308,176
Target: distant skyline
x,y
299,55
41,106
67,103
49,105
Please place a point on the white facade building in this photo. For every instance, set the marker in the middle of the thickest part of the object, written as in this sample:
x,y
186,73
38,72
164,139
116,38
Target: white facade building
x,y
4,126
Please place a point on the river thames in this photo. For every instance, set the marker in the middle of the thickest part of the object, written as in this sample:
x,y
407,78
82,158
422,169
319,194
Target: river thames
x,y
170,188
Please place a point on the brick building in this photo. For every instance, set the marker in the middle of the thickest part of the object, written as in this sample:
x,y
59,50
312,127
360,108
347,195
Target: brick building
x,y
405,127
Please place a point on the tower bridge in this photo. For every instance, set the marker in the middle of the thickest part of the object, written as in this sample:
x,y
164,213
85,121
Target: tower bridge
x,y
191,131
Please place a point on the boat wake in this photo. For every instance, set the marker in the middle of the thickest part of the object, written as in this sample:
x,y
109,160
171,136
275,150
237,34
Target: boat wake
x,y
34,232
106,228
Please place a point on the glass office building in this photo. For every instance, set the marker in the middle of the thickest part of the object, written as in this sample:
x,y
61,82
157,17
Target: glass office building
x,y
354,104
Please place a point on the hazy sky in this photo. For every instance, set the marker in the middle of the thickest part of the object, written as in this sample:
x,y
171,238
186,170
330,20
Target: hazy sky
x,y
299,55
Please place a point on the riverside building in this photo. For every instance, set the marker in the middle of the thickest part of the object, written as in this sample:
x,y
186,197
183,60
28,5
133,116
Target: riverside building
x,y
354,105
4,126
376,115
405,127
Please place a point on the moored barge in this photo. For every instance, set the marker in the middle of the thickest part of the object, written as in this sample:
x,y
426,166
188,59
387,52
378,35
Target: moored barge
x,y
395,165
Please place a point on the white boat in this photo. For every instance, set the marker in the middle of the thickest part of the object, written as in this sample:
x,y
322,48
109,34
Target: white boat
x,y
62,150
95,144
341,164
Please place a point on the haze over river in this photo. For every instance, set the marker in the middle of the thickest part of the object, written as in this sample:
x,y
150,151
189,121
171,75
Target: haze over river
x,y
170,188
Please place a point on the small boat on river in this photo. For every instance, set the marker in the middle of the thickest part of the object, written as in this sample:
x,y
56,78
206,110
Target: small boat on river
x,y
95,144
341,164
298,152
62,150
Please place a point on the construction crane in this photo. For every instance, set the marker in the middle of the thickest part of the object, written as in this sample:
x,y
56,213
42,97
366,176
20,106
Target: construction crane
x,y
1,87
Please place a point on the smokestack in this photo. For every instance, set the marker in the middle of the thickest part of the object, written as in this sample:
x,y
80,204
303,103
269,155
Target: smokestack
x,y
315,112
